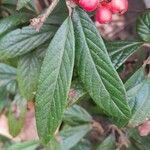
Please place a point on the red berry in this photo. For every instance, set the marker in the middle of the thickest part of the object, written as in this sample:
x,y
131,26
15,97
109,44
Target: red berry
x,y
119,6
76,1
89,5
103,15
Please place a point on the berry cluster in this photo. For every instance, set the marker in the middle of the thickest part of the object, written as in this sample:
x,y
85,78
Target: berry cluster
x,y
104,8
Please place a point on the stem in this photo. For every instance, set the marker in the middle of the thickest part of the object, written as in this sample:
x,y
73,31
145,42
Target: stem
x,y
38,22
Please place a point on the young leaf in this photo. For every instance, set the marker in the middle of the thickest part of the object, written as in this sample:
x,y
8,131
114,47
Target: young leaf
x,y
119,51
71,136
22,3
143,26
55,80
21,41
76,115
95,68
28,73
13,21
108,143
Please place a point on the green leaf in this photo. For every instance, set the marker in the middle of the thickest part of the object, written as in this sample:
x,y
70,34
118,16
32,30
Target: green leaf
x,y
76,92
55,80
52,145
143,26
4,101
7,74
13,21
119,51
108,144
96,70
16,115
29,145
71,136
59,14
76,115
141,141
21,41
135,79
22,3
28,74
84,144
139,100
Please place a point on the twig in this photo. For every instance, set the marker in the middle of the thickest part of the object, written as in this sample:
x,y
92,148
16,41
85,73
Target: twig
x,y
39,21
70,4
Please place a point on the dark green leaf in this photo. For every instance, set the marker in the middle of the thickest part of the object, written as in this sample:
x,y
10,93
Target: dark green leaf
x,y
55,80
71,136
76,115
28,74
119,51
108,144
96,70
143,26
21,41
13,21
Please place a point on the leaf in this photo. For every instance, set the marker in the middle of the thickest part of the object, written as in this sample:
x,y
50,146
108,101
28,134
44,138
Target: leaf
x,y
71,136
141,141
16,115
135,79
54,81
21,41
28,74
52,145
108,144
7,74
95,68
76,115
12,87
119,51
59,14
22,3
84,144
76,92
29,145
139,96
4,101
13,21
143,26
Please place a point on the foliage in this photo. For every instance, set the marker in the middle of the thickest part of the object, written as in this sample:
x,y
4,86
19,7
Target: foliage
x,y
64,67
